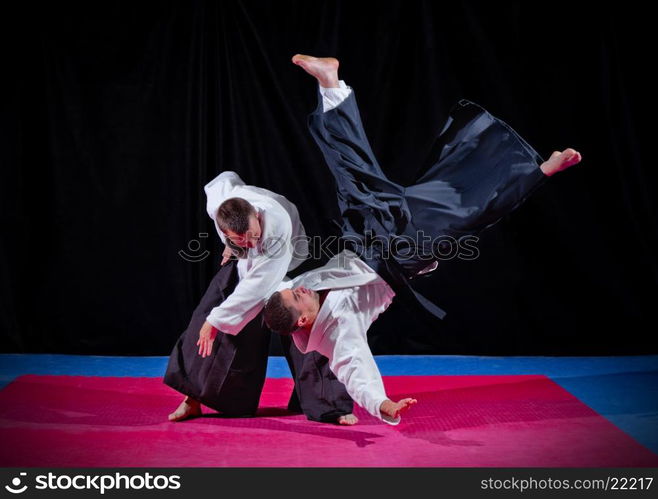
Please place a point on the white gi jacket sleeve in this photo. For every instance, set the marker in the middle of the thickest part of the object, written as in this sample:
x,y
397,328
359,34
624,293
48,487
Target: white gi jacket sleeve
x,y
346,345
262,277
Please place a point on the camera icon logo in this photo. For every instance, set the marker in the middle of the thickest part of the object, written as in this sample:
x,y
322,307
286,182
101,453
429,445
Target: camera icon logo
x,y
15,487
194,246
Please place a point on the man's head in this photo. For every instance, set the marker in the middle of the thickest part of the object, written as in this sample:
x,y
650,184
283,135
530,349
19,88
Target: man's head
x,y
239,221
290,309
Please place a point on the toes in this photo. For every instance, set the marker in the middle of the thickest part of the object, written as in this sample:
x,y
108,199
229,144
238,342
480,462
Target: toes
x,y
348,420
571,156
575,159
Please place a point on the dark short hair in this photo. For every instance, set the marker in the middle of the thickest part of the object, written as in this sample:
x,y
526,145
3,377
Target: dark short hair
x,y
278,317
233,214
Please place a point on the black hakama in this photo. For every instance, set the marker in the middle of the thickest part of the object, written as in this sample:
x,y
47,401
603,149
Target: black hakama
x,y
230,380
480,170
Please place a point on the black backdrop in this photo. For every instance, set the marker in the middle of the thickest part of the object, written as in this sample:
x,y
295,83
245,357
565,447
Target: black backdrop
x,y
115,114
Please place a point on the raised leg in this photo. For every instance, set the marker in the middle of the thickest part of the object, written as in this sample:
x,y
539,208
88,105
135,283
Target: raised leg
x,y
366,197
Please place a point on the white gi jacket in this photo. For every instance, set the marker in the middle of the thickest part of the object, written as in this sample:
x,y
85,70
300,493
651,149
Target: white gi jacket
x,y
266,264
356,298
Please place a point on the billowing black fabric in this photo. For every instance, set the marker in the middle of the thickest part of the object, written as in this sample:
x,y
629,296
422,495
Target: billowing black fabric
x,y
483,171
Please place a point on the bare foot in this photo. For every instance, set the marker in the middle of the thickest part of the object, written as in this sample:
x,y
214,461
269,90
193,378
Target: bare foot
x,y
325,69
560,161
394,409
348,419
189,408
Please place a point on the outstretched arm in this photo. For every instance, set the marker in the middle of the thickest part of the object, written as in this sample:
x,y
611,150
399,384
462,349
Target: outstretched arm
x,y
247,299
259,282
351,360
249,295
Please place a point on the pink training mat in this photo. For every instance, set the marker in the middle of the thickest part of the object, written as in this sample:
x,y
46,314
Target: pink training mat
x,y
459,421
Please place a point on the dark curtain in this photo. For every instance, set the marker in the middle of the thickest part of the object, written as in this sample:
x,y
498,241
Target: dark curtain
x,y
115,114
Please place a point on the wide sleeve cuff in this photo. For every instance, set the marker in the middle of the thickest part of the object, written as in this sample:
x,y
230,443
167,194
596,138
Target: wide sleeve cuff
x,y
332,97
222,327
385,418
